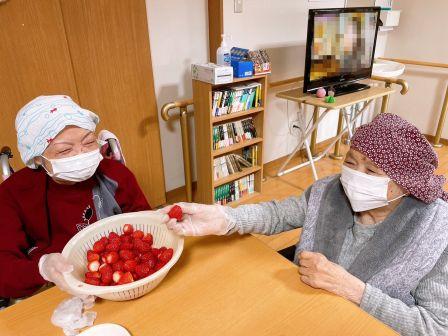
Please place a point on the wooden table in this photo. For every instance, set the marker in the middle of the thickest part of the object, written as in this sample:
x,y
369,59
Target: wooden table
x,y
341,103
220,286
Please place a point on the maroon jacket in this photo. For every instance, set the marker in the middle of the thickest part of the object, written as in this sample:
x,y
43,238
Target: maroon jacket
x,y
26,232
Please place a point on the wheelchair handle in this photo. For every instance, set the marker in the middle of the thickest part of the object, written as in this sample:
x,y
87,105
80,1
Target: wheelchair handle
x,y
5,155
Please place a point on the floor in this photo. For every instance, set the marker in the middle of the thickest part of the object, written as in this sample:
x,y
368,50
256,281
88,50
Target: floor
x,y
296,182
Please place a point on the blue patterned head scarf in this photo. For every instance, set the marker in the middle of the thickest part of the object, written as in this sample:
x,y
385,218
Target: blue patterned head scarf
x,y
39,121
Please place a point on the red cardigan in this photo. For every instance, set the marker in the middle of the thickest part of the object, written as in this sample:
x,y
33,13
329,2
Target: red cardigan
x,y
24,223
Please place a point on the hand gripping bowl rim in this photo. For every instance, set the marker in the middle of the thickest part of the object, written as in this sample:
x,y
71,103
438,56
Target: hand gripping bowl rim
x,y
88,289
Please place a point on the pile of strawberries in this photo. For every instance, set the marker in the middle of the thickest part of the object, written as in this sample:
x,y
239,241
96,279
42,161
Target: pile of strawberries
x,y
121,259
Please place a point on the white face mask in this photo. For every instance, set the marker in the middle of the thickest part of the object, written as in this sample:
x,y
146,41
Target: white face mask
x,y
76,168
365,192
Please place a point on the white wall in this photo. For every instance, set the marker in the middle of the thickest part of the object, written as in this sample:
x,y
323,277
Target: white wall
x,y
178,31
421,35
281,28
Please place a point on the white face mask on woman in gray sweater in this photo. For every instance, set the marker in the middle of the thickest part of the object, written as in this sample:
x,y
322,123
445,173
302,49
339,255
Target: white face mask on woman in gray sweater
x,y
364,191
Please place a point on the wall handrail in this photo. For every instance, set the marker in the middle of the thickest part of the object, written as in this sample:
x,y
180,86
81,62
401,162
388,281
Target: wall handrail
x,y
176,104
442,116
414,62
182,105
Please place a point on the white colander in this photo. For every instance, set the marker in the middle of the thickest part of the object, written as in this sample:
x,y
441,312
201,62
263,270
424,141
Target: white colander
x,y
147,221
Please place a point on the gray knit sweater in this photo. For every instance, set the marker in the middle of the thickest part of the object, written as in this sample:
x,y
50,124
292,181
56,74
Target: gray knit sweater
x,y
430,314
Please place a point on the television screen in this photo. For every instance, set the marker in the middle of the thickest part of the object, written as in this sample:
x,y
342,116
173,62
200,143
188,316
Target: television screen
x,y
340,45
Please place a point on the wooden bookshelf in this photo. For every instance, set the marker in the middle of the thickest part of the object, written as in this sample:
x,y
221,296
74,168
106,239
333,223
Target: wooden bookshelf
x,y
205,154
236,176
234,147
236,115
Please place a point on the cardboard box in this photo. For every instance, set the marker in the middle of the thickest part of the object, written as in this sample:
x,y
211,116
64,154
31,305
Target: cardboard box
x,y
212,73
243,68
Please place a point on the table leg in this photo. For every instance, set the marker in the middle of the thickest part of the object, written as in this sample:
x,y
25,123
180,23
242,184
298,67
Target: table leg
x,y
281,170
336,154
314,134
338,137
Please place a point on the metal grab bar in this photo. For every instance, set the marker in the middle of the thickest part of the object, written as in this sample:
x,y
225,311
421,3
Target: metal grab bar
x,y
182,106
442,116
388,83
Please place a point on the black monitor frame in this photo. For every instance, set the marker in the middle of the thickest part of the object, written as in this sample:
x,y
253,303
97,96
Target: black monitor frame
x,y
343,78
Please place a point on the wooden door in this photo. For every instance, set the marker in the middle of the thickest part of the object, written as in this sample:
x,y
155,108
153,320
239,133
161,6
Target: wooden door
x,y
34,60
109,47
96,51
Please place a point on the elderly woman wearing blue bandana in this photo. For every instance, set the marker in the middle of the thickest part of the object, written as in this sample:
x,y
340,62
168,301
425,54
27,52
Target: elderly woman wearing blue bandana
x,y
377,234
66,186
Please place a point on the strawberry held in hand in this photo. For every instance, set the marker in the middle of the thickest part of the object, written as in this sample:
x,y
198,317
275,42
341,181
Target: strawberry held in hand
x,y
176,213
122,259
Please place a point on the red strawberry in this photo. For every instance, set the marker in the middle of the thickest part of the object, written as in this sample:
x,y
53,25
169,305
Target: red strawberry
x,y
126,255
147,256
159,265
106,274
113,235
115,240
92,281
104,240
138,234
152,263
155,251
118,266
126,278
166,255
161,250
93,275
142,270
176,212
128,229
117,276
141,246
148,238
112,257
129,265
99,246
113,247
126,246
137,260
93,266
126,239
92,256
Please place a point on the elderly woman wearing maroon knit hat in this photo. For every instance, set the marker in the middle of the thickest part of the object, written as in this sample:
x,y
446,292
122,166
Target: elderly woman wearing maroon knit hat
x,y
377,234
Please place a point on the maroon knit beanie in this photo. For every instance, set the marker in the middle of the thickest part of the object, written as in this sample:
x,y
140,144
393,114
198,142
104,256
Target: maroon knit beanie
x,y
403,153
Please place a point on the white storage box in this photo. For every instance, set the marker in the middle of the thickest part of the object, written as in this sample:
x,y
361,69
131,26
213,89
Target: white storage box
x,y
212,73
390,18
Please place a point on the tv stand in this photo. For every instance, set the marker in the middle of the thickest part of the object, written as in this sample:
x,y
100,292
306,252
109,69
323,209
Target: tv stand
x,y
343,89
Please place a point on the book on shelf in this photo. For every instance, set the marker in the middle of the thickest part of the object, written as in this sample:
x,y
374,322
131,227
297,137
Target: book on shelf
x,y
236,98
250,154
234,190
226,165
234,132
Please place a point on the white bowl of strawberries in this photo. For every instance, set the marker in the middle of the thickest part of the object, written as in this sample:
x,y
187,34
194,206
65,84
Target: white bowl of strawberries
x,y
122,257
